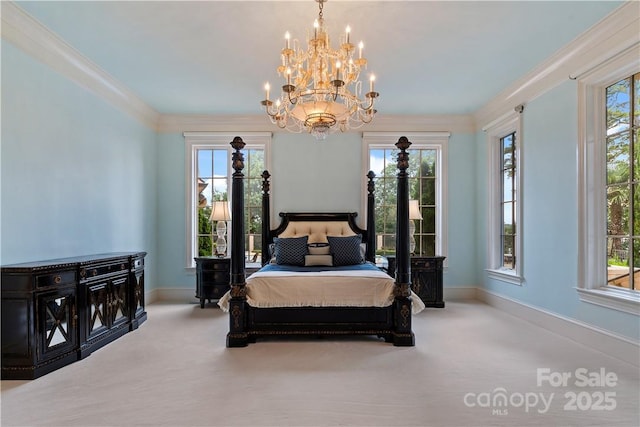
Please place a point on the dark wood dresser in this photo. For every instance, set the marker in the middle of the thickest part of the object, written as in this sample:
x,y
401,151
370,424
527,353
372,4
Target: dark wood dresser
x,y
213,276
426,278
55,312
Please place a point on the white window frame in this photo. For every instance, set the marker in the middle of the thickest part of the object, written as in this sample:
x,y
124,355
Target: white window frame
x,y
212,140
592,215
438,141
495,131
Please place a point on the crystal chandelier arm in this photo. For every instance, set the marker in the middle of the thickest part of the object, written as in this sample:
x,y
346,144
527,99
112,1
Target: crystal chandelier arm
x,y
322,91
371,96
288,89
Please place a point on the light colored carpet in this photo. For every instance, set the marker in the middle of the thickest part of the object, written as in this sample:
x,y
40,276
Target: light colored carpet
x,y
175,371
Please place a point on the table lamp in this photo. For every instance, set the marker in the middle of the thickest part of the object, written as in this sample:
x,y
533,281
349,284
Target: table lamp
x,y
414,213
220,213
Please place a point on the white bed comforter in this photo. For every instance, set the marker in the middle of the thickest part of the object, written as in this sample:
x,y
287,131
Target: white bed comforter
x,y
320,289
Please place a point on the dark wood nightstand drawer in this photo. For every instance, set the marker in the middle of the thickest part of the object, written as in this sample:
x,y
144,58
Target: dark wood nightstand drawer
x,y
423,264
217,291
213,276
215,266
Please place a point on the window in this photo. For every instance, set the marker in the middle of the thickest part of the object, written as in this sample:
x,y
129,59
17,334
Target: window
x,y
213,185
504,236
209,172
427,160
623,176
608,191
508,200
623,192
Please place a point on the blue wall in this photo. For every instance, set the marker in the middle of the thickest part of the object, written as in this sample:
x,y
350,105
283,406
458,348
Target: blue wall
x,y
172,214
461,226
550,215
78,176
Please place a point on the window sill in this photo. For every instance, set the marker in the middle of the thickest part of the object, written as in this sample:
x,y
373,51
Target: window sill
x,y
508,276
616,299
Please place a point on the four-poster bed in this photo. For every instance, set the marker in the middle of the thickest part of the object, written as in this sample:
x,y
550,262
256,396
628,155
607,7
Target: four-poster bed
x,y
341,293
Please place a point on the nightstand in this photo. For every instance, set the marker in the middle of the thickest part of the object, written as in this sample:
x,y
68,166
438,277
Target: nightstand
x,y
426,278
213,276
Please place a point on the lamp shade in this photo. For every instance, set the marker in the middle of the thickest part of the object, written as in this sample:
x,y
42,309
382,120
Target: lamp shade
x,y
414,210
220,211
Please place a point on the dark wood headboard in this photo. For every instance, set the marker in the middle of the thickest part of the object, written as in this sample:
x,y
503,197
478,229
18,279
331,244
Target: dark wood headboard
x,y
346,219
368,234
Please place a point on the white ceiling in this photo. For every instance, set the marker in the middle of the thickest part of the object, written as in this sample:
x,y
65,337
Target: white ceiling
x,y
213,57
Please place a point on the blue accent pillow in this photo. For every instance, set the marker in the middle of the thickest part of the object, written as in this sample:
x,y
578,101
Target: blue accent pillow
x,y
346,250
290,250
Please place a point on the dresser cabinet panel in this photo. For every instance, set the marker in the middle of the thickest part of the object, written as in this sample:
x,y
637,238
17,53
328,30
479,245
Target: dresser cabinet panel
x,y
213,276
57,311
426,278
106,316
39,319
58,321
139,315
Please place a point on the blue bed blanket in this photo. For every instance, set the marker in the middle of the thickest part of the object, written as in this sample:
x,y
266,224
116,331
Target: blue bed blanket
x,y
367,266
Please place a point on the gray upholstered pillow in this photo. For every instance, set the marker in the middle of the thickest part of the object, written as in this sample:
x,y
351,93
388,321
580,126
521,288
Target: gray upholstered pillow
x,y
311,260
290,250
346,250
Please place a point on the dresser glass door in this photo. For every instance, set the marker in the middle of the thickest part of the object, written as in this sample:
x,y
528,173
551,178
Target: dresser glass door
x,y
58,312
119,301
97,309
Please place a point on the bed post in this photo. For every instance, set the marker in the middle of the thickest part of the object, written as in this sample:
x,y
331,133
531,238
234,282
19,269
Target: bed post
x,y
237,336
371,218
402,333
266,217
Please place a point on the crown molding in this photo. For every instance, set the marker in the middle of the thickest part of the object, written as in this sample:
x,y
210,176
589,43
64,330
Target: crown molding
x,y
256,123
21,29
462,123
614,34
171,123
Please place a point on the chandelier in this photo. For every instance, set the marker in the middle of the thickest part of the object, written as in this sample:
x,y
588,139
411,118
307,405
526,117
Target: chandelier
x,y
323,87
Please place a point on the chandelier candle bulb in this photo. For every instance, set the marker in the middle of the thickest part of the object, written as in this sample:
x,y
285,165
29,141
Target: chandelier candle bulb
x,y
371,80
324,93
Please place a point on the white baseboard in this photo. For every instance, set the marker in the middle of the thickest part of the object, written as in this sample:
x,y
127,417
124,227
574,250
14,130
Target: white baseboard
x,y
598,339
